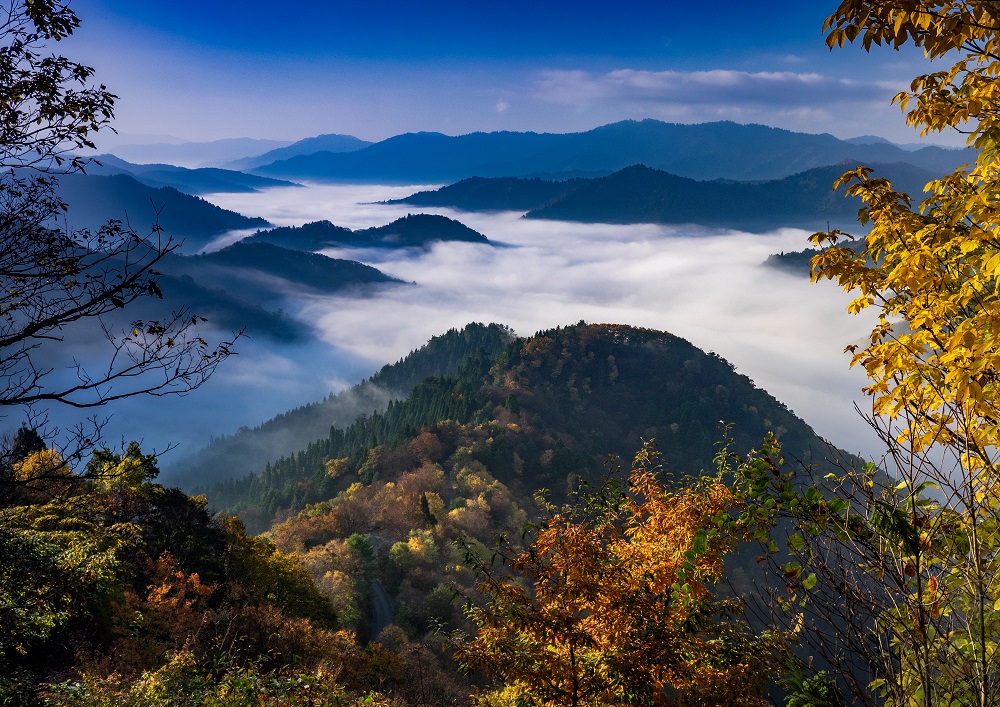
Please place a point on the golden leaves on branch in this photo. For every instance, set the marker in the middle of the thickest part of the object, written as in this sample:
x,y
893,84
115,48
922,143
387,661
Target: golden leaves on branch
x,y
611,602
931,274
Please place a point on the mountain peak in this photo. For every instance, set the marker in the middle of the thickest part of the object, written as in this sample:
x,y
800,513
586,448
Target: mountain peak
x,y
704,151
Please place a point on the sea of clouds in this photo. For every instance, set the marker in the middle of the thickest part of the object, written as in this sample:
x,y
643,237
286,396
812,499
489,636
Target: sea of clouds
x,y
707,286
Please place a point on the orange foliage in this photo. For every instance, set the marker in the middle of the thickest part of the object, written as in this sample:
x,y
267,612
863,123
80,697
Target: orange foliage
x,y
426,447
168,615
614,605
663,524
178,598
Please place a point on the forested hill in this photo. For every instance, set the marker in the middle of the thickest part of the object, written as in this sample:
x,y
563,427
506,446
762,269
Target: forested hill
x,y
550,406
411,231
799,262
418,230
248,450
643,195
231,265
640,194
494,194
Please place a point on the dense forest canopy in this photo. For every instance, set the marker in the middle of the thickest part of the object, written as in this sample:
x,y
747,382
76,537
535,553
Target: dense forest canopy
x,y
561,402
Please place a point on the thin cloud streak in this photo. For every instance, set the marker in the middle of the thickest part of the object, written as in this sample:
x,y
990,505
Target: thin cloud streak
x,y
715,87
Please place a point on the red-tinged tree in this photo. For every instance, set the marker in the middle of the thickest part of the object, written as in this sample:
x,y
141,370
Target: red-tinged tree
x,y
611,602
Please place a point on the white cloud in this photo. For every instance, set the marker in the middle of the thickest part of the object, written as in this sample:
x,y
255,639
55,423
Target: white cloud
x,y
502,105
715,87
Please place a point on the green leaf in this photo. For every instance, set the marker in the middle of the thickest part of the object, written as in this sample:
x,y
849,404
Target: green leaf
x,y
700,542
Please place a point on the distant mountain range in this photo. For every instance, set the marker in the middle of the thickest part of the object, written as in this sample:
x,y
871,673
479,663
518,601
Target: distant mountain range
x,y
214,153
722,150
639,194
411,231
94,199
204,180
309,146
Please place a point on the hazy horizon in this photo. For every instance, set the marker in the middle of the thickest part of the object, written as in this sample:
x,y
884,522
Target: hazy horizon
x,y
111,142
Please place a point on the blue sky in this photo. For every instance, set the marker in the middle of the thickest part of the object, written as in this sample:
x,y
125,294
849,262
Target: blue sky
x,y
214,69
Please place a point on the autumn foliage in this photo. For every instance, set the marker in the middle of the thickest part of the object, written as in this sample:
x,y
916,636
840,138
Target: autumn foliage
x,y
905,551
930,270
611,602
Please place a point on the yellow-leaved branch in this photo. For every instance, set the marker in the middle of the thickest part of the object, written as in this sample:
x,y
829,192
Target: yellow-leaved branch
x,y
931,269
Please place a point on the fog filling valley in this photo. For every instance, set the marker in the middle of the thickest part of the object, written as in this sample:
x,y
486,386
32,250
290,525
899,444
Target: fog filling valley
x,y
707,286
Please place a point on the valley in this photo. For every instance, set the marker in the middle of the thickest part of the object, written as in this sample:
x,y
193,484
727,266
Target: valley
x,y
706,285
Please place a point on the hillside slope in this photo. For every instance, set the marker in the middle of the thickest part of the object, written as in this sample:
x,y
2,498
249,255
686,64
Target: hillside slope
x,y
494,194
249,450
203,180
95,199
241,265
246,286
553,405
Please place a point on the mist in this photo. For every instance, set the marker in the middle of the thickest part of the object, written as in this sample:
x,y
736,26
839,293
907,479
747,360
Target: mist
x,y
707,286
